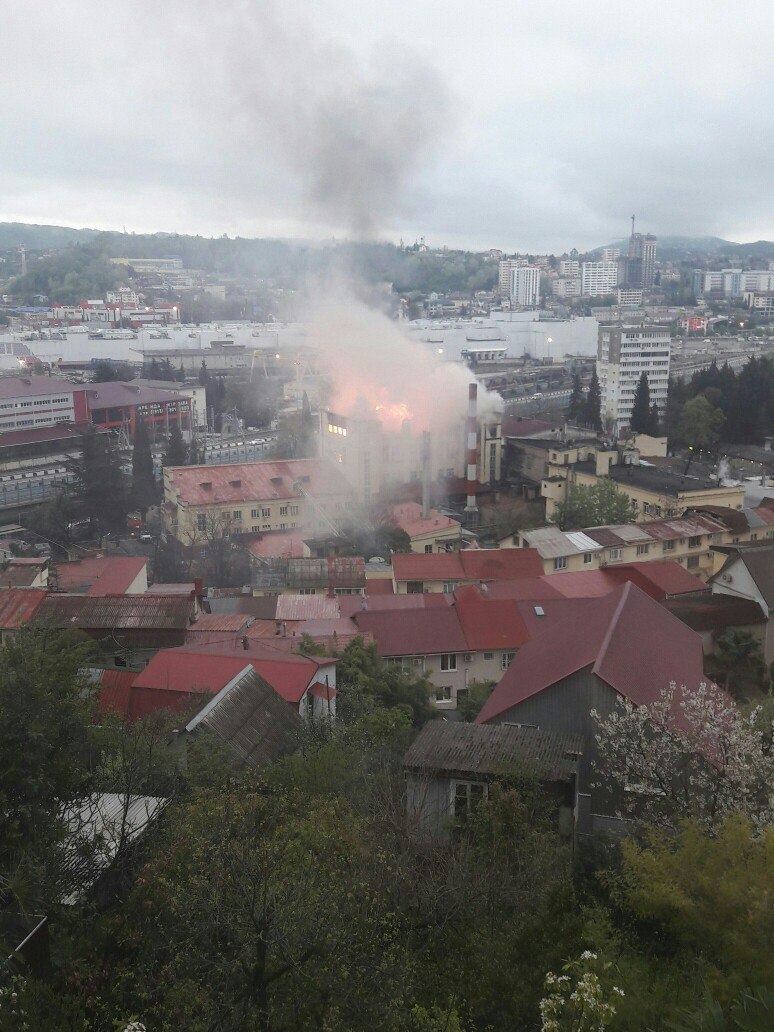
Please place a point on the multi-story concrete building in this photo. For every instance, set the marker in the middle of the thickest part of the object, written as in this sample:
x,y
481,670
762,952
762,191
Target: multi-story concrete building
x,y
567,286
525,286
507,265
599,278
569,267
33,401
623,354
732,282
611,254
629,297
641,262
249,498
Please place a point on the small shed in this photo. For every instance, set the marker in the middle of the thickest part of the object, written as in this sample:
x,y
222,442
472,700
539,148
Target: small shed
x,y
451,765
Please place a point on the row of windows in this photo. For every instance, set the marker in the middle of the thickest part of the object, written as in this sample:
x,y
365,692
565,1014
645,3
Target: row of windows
x,y
414,664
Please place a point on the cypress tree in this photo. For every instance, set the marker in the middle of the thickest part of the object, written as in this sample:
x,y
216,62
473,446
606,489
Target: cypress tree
x,y
655,421
575,409
176,453
144,489
640,421
592,410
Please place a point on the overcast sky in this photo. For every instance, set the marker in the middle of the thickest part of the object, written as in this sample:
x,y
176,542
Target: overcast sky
x,y
499,123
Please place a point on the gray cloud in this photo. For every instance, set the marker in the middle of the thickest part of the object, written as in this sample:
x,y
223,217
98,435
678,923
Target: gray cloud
x,y
495,125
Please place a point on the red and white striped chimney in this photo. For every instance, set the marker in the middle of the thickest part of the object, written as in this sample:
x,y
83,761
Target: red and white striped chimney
x,y
471,508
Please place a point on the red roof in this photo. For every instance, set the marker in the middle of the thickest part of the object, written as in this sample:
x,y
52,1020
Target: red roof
x,y
660,578
115,691
257,481
116,394
69,432
106,575
18,606
409,518
178,670
379,586
627,639
414,632
351,604
489,623
282,545
469,565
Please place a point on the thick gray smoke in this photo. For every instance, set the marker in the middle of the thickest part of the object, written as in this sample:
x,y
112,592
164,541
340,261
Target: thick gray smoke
x,y
352,134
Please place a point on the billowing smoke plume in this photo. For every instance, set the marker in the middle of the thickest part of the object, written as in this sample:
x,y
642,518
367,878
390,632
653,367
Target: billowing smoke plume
x,y
352,134
375,370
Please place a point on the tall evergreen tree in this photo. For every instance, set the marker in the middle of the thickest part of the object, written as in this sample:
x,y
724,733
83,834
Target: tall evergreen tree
x,y
639,421
575,409
100,486
176,453
654,428
592,410
144,489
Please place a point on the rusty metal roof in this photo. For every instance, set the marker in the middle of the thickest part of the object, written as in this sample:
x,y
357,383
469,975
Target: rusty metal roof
x,y
122,611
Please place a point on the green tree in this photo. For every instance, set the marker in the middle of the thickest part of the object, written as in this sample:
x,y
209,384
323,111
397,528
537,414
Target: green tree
x,y
144,491
177,452
576,406
471,702
100,486
640,421
654,428
592,410
364,681
700,423
594,506
738,661
44,737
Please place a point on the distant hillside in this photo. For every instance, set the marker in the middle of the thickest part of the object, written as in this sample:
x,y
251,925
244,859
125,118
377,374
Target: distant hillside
x,y
706,248
41,238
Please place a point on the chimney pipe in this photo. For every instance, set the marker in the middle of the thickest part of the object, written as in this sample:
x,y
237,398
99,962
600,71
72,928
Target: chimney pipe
x,y
471,508
425,473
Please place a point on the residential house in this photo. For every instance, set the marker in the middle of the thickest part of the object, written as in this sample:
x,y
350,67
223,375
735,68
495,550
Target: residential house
x,y
415,574
129,629
588,656
451,766
24,573
18,608
102,575
711,615
748,573
429,531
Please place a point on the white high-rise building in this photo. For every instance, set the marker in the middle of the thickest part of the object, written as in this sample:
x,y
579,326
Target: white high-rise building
x,y
611,254
599,278
525,286
623,354
507,265
569,267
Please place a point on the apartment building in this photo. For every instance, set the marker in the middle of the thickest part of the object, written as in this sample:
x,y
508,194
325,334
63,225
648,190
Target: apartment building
x,y
506,269
253,497
599,278
525,286
732,282
623,354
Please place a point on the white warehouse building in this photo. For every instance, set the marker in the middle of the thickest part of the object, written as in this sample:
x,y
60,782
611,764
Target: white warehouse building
x,y
623,354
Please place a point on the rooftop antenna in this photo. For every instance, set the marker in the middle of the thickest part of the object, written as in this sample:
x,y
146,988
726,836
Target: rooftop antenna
x,y
632,225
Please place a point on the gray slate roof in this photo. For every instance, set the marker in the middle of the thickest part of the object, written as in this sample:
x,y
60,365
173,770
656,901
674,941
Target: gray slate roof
x,y
253,720
485,750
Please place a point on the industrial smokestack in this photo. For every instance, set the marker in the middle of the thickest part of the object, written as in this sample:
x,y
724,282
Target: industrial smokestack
x,y
470,507
425,473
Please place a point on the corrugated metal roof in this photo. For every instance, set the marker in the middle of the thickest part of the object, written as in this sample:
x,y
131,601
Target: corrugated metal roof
x,y
307,607
21,573
551,542
470,564
103,575
582,541
18,606
97,828
125,612
414,632
483,751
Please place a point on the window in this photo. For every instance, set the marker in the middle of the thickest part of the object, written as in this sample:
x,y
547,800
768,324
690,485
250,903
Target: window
x,y
237,514
669,546
645,507
449,585
428,549
507,659
449,661
560,563
294,510
466,796
587,557
694,542
489,655
692,562
306,591
615,554
266,513
414,587
283,510
443,694
255,529
201,521
643,549
255,513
